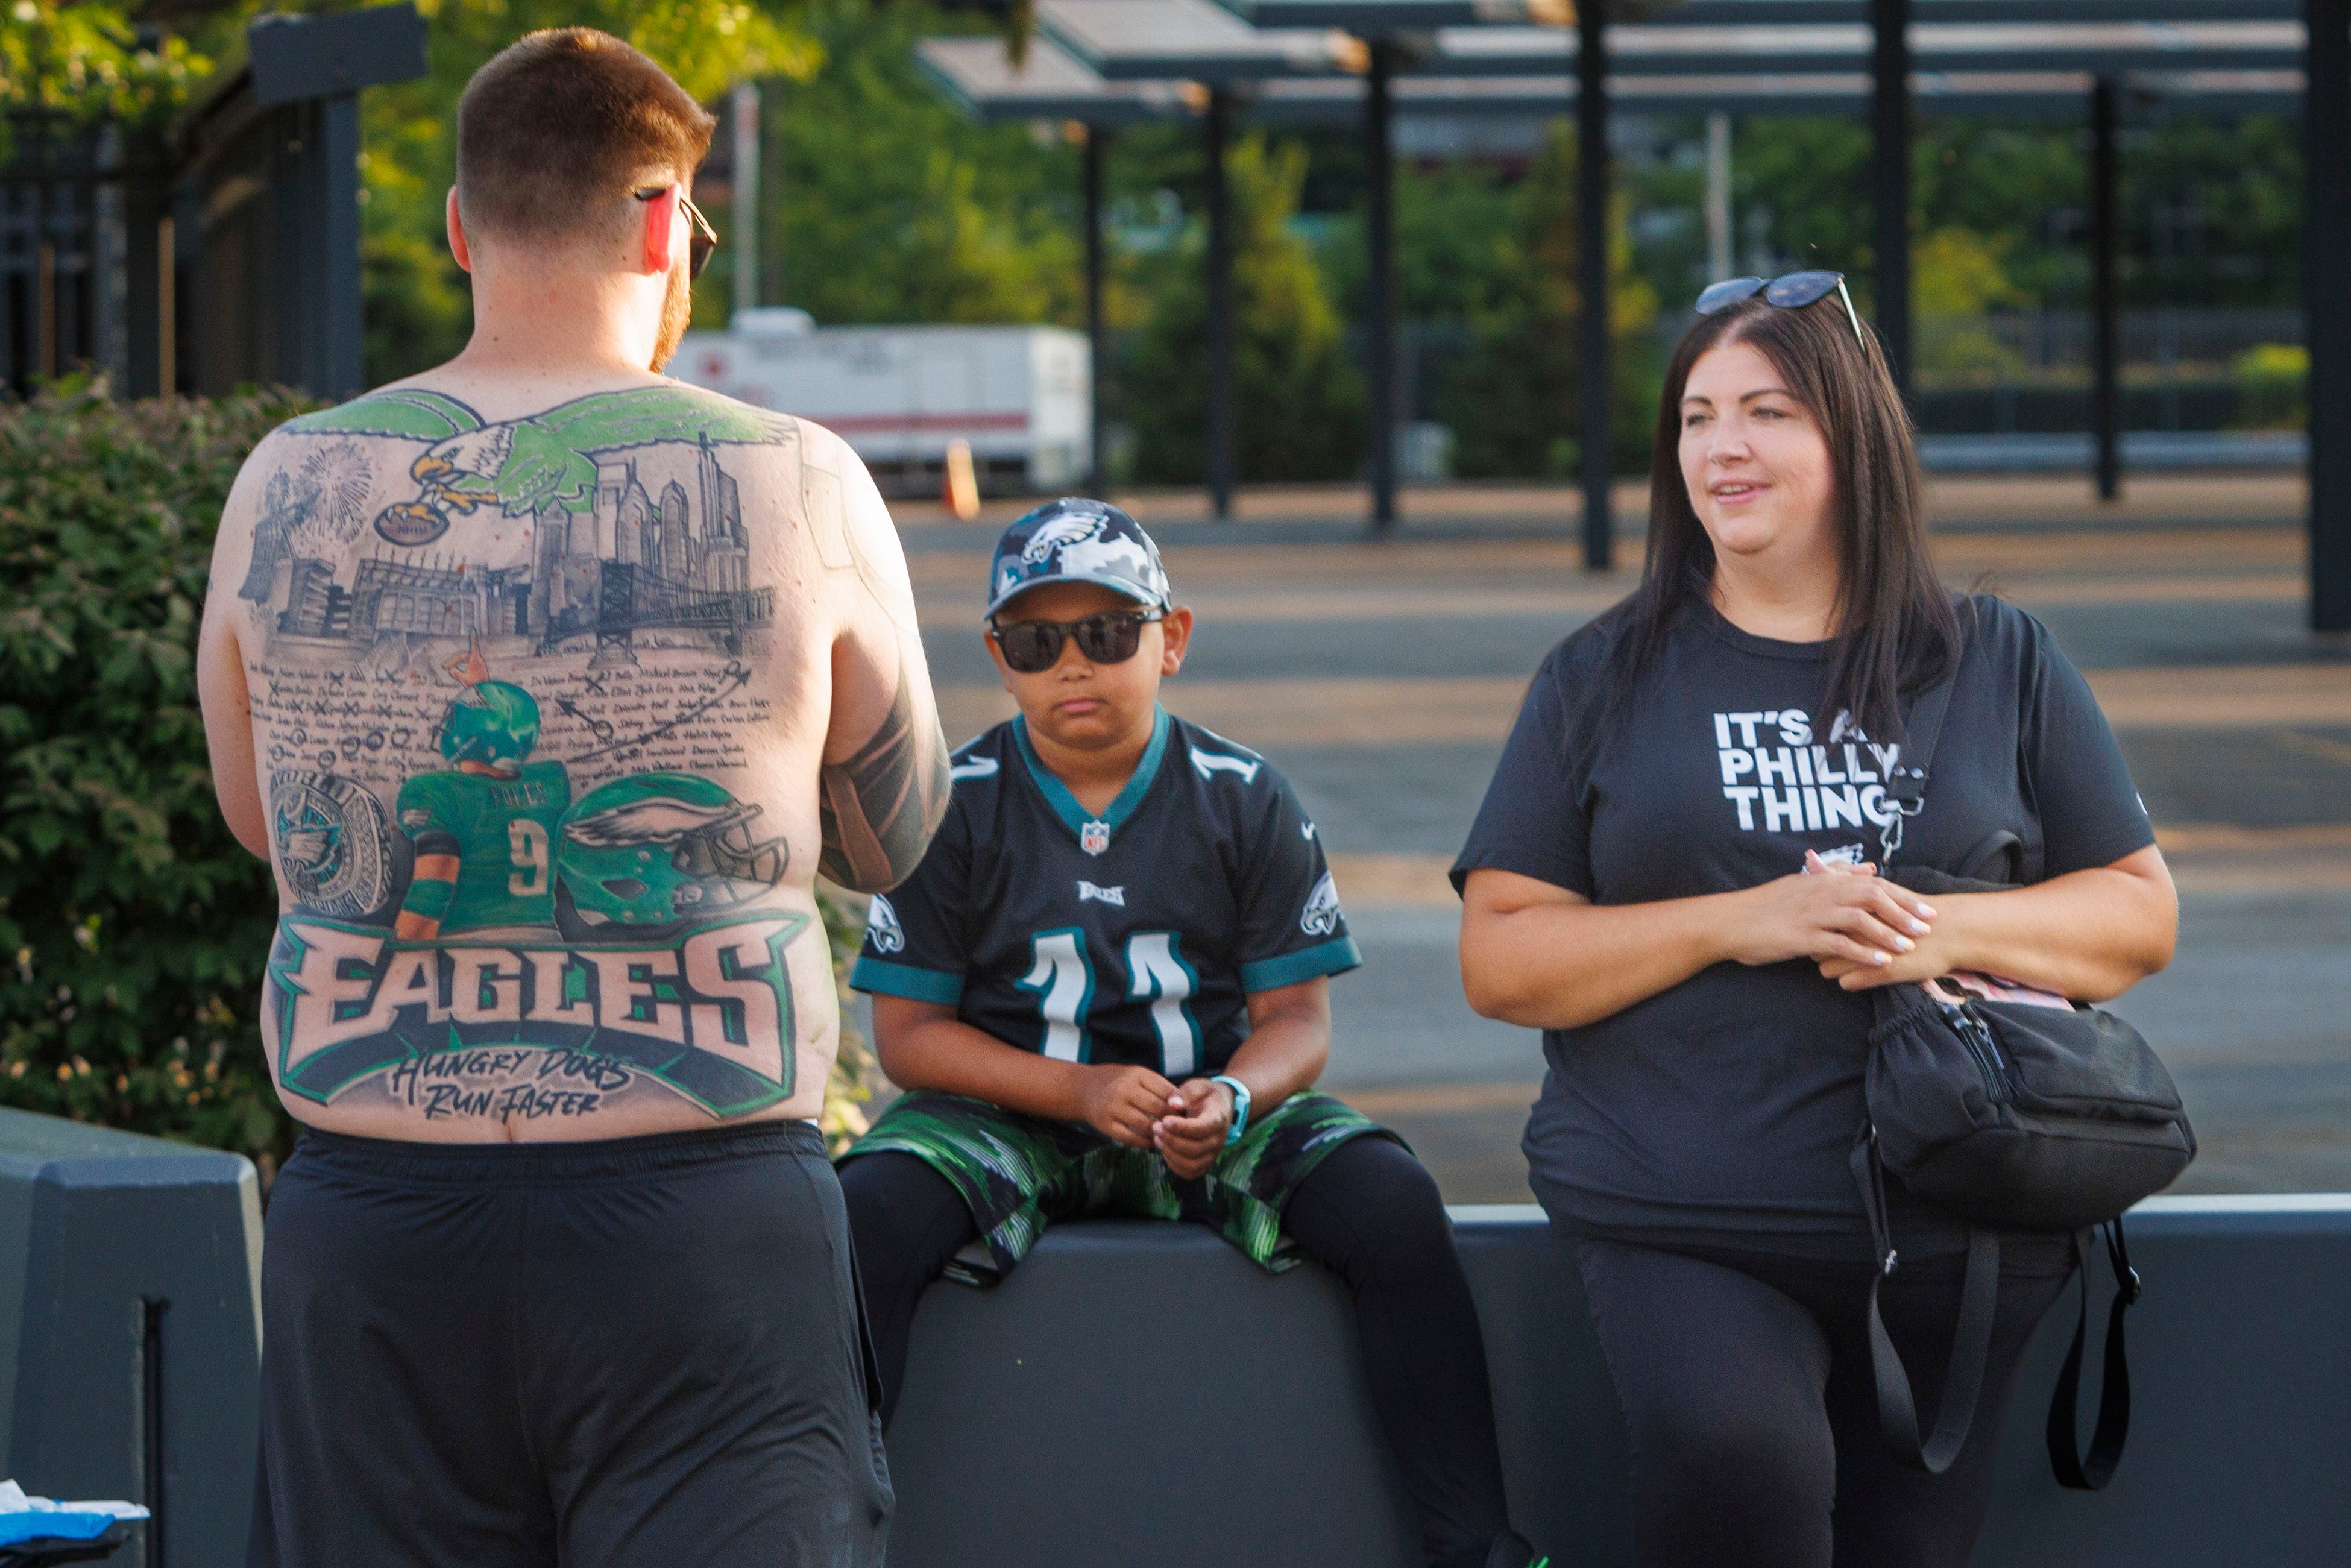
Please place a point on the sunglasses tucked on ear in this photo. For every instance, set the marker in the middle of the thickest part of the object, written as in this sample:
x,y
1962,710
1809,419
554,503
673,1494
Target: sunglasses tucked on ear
x,y
1032,647
1790,291
701,242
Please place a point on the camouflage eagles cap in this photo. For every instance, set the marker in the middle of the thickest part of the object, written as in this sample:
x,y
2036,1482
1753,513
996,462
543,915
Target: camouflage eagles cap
x,y
1077,540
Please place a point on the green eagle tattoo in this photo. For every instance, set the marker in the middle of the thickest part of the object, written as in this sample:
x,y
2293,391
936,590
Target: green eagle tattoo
x,y
523,466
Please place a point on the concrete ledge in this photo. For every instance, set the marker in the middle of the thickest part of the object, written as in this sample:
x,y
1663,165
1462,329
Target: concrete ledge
x,y
2143,451
129,1289
1140,1393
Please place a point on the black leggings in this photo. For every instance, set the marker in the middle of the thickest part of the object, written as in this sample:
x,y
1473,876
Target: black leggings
x,y
1372,1214
1746,1381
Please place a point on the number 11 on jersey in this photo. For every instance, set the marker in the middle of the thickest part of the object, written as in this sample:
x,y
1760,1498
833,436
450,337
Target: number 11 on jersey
x,y
1065,981
1155,968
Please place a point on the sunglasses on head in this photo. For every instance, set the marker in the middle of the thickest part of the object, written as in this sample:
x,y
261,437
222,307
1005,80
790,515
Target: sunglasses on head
x,y
1790,291
701,240
1032,647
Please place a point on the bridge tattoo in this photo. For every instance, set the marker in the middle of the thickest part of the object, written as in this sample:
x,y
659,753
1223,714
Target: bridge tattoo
x,y
879,806
498,671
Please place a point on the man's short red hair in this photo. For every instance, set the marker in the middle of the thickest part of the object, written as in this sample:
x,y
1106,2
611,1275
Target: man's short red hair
x,y
559,125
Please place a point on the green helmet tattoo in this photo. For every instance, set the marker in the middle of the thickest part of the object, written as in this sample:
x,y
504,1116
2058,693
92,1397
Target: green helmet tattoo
x,y
490,722
645,857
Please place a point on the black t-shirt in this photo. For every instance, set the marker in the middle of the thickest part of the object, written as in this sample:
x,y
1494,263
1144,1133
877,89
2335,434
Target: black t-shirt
x,y
1725,1108
1136,937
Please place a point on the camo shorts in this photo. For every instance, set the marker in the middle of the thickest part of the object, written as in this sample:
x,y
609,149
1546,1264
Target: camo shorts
x,y
1019,1174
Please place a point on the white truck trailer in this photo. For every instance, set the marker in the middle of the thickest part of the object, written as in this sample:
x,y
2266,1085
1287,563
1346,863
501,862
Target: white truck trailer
x,y
1020,395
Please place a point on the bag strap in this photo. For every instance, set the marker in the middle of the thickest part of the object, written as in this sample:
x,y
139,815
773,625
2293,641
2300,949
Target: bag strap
x,y
1898,1408
1906,786
2093,1472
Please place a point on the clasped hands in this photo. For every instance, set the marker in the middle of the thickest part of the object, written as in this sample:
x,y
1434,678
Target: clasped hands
x,y
1862,930
1185,1122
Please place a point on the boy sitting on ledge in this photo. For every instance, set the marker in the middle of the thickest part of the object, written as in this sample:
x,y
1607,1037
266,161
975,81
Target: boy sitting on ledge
x,y
1106,990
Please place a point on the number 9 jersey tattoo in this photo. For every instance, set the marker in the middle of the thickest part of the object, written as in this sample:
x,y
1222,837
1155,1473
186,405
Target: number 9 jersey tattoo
x,y
539,740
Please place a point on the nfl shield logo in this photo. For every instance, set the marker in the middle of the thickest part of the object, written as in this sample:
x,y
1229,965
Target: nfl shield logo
x,y
1094,838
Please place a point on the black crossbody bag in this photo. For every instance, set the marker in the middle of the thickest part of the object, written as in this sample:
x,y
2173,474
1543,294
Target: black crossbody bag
x,y
2015,1117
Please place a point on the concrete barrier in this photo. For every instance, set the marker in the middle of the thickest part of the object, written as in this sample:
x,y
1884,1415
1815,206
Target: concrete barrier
x,y
130,1330
1141,1394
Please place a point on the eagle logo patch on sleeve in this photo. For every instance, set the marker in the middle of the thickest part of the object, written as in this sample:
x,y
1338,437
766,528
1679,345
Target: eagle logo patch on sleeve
x,y
882,927
1320,917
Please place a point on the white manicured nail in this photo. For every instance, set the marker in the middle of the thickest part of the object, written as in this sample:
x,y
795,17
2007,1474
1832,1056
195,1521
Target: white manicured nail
x,y
1905,943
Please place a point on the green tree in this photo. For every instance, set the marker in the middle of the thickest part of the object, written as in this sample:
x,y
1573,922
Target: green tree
x,y
1958,277
1456,251
895,207
1513,399
87,59
2212,212
1299,400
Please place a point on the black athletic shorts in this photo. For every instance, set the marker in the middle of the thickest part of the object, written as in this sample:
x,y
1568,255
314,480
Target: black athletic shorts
x,y
643,1353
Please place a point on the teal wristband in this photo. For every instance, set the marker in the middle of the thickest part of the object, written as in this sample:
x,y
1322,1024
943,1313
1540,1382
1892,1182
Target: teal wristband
x,y
430,896
1240,1107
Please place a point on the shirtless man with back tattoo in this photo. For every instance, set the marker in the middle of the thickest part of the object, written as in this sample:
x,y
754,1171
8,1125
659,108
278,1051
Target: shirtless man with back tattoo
x,y
548,686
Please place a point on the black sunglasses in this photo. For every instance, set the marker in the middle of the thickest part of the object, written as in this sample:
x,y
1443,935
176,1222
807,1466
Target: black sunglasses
x,y
701,242
1790,291
1032,647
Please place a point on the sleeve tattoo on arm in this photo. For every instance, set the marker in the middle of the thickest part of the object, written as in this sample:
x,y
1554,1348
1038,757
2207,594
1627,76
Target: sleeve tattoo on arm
x,y
881,805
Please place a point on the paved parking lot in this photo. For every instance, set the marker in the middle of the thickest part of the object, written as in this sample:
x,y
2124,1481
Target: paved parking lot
x,y
1381,677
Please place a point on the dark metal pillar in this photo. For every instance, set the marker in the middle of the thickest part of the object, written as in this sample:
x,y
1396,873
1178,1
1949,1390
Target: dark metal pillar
x,y
1890,178
2105,322
146,204
1592,270
1220,313
1379,335
1097,150
2327,304
342,359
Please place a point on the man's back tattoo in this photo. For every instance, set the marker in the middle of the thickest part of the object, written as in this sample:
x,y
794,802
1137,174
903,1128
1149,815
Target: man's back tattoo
x,y
503,674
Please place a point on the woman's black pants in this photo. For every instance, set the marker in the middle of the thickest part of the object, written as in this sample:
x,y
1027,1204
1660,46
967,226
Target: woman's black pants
x,y
1368,1212
1746,1380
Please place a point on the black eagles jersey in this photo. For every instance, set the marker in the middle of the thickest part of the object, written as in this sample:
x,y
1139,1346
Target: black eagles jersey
x,y
1130,937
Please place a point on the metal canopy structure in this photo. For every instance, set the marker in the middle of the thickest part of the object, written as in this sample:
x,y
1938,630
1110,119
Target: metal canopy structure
x,y
1107,63
1692,49
1055,85
1191,39
1048,84
1389,18
2036,94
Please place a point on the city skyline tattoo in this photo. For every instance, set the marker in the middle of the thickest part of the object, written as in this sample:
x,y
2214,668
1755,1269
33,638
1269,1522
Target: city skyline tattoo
x,y
498,671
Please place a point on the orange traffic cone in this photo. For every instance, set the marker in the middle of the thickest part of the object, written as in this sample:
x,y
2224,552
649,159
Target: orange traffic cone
x,y
961,491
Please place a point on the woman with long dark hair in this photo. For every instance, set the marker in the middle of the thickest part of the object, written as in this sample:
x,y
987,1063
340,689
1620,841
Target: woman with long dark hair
x,y
1674,876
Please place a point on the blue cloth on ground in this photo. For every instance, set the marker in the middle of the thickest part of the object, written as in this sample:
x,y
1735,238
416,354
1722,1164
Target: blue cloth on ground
x,y
52,1524
24,1518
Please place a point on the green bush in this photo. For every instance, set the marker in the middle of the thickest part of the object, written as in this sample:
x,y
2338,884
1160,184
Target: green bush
x,y
1513,398
2274,383
1298,409
133,927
